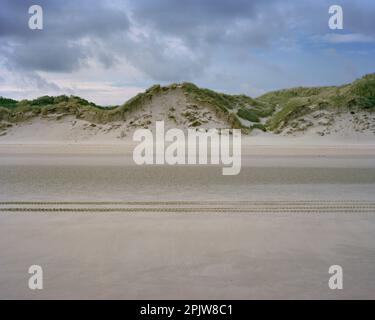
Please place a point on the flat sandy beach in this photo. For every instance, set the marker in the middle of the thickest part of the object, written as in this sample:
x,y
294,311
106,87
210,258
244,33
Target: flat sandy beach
x,y
102,227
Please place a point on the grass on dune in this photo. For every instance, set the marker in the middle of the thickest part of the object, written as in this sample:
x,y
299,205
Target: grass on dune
x,y
296,102
278,107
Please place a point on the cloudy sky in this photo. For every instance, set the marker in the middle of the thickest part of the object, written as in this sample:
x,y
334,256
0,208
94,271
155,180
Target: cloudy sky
x,y
108,50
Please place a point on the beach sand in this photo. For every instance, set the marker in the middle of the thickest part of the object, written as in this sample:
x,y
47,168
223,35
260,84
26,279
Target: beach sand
x,y
302,208
183,256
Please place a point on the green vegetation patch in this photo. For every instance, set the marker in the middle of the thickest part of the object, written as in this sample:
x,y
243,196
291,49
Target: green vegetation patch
x,y
222,101
296,107
259,126
4,114
8,103
363,92
248,115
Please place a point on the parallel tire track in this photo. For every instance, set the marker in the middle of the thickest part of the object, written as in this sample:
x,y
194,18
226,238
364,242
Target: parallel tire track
x,y
152,203
303,206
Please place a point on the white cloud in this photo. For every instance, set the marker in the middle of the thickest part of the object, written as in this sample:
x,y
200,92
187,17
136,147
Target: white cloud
x,y
347,38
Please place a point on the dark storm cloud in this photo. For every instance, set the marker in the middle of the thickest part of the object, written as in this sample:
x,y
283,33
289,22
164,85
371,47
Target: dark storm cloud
x,y
168,40
55,57
73,31
77,30
212,23
361,16
70,19
203,29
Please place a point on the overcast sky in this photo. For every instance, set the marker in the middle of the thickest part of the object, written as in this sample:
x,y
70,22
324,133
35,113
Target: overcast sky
x,y
107,51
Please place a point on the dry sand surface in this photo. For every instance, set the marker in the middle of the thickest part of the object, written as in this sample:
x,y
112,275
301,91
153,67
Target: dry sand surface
x,y
102,227
187,256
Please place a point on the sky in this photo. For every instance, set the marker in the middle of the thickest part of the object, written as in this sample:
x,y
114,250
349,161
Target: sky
x,y
107,51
